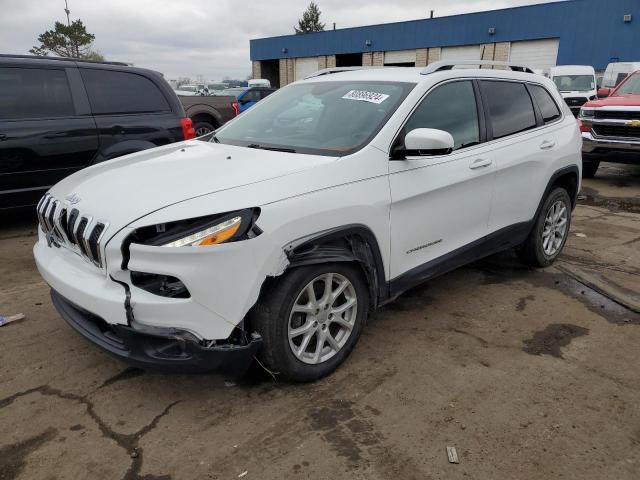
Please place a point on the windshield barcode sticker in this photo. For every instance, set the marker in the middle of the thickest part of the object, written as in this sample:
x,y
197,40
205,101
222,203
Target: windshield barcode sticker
x,y
365,96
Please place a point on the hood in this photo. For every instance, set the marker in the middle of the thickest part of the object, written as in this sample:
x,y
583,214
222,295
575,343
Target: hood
x,y
122,190
615,101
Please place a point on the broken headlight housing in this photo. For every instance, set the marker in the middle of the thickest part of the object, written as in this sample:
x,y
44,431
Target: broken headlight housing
x,y
201,231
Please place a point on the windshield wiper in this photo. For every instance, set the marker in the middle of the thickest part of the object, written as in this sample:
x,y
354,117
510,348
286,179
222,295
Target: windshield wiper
x,y
273,149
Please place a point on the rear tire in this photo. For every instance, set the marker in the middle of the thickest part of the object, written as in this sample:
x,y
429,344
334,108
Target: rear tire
x,y
590,168
550,231
307,338
203,128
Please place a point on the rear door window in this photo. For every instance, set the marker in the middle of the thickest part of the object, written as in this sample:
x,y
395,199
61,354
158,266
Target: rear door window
x,y
265,93
34,93
452,108
112,92
510,107
251,96
548,108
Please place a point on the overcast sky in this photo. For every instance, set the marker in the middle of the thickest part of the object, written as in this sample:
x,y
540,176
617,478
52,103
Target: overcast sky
x,y
210,38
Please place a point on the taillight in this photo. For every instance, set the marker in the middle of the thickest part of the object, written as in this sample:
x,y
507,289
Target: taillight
x,y
236,108
584,127
188,132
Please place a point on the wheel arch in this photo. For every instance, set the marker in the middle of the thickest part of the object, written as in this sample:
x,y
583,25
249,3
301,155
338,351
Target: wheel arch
x,y
349,243
206,117
568,178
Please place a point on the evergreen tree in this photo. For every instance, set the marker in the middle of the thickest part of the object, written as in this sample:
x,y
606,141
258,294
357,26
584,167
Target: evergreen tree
x,y
310,21
70,40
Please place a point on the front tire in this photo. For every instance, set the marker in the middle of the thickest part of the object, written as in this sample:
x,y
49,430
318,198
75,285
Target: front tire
x,y
550,231
311,319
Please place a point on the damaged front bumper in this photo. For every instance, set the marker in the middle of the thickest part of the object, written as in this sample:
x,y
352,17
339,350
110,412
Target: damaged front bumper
x,y
161,349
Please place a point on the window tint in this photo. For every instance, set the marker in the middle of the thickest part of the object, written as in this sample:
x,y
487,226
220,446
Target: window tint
x,y
510,107
121,92
265,93
251,96
34,93
452,108
548,107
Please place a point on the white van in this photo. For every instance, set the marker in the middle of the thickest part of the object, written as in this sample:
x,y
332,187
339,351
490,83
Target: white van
x,y
577,84
616,72
259,82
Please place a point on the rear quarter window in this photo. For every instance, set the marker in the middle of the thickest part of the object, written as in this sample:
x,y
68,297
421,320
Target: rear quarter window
x,y
112,92
548,107
510,107
34,93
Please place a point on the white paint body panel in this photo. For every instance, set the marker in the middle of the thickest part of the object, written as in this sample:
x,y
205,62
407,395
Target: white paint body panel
x,y
404,204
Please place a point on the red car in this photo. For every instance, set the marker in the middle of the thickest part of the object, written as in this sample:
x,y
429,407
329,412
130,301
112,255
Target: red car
x,y
611,126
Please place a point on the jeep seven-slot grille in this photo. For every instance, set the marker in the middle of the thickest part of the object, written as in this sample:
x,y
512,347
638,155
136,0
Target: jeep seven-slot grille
x,y
65,226
618,114
621,131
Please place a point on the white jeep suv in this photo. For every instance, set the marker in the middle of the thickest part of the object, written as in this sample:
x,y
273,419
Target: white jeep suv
x,y
331,197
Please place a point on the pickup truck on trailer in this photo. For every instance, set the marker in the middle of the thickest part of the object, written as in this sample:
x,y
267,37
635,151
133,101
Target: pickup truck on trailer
x,y
209,112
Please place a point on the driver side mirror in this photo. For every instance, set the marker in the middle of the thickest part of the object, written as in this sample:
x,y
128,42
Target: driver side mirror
x,y
604,92
422,142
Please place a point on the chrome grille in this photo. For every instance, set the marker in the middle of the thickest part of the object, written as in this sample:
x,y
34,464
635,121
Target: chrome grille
x,y
617,114
68,227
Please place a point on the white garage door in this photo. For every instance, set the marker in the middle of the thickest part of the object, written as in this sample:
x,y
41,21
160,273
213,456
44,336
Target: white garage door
x,y
306,66
466,52
540,54
400,56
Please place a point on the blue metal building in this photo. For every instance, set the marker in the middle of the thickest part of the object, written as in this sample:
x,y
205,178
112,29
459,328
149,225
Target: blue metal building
x,y
583,32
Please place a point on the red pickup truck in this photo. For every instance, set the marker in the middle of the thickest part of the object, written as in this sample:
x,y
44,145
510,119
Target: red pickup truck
x,y
611,126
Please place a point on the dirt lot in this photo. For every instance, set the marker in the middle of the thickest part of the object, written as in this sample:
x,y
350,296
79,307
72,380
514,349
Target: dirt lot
x,y
529,374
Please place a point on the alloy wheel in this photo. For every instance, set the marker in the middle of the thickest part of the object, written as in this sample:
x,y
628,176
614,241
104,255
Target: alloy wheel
x,y
555,228
322,318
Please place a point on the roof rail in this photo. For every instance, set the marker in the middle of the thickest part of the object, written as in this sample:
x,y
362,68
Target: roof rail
x,y
62,59
329,71
448,65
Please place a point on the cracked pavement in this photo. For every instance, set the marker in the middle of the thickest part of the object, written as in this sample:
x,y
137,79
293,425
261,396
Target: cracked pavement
x,y
528,373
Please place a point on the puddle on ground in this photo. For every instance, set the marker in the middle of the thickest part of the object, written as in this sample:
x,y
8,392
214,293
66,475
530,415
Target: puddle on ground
x,y
550,340
591,197
504,268
13,456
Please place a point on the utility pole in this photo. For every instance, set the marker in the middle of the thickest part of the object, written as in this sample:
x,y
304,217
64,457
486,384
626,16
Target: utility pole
x,y
74,45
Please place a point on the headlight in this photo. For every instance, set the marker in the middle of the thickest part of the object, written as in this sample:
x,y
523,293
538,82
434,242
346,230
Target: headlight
x,y
201,231
587,112
219,233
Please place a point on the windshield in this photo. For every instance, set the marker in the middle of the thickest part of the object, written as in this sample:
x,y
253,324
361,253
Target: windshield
x,y
575,83
630,87
325,118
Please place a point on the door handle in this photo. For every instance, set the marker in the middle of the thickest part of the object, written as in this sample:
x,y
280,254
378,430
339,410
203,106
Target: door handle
x,y
479,163
3,137
547,144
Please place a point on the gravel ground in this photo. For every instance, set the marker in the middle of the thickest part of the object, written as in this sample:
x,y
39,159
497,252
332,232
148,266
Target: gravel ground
x,y
529,374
